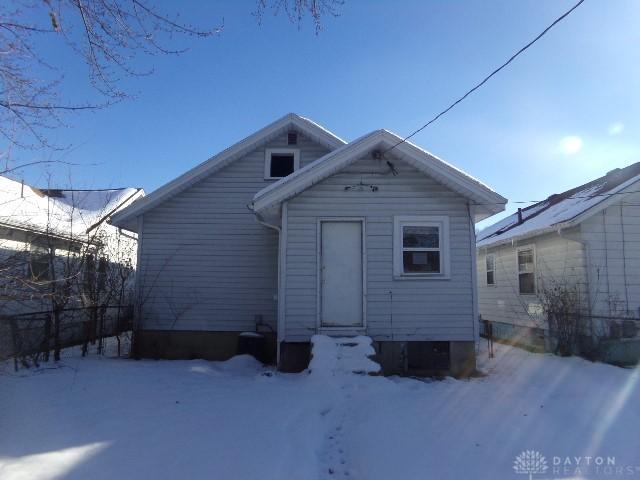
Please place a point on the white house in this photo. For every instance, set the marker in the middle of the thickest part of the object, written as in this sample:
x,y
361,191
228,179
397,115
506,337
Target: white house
x,y
292,231
50,239
587,237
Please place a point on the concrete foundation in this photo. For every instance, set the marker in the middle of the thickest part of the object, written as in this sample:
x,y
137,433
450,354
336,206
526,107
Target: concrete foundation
x,y
189,344
294,356
422,359
396,358
462,358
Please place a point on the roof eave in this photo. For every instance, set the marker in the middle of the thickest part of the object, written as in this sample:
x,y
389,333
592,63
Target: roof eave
x,y
490,201
213,164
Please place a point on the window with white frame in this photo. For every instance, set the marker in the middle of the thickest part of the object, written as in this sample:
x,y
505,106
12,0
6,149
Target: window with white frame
x,y
280,162
490,261
421,246
526,271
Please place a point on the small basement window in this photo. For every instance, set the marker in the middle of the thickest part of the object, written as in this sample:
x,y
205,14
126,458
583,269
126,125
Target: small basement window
x,y
280,162
421,247
490,261
526,271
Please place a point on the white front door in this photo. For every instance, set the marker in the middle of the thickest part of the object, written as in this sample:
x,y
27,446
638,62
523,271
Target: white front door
x,y
341,273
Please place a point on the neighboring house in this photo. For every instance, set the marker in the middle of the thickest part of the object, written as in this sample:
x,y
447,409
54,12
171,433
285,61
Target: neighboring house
x,y
54,246
587,238
295,232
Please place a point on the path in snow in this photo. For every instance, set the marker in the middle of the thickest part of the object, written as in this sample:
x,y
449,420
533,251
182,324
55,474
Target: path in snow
x,y
103,418
336,363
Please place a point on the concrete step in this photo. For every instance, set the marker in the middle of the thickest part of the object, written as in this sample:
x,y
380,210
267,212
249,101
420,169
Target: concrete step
x,y
342,355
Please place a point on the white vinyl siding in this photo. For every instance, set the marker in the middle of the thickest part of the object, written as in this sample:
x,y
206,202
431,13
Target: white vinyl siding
x,y
612,237
401,310
206,263
557,259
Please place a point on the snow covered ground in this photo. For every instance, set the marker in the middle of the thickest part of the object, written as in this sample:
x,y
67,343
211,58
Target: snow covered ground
x,y
108,418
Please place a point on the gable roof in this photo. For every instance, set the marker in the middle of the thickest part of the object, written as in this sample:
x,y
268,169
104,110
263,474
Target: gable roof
x,y
561,210
487,201
222,159
59,212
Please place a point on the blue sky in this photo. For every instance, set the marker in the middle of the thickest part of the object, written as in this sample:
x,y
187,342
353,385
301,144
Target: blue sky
x,y
564,112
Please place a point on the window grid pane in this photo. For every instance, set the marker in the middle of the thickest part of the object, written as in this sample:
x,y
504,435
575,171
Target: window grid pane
x,y
421,261
421,237
527,283
525,261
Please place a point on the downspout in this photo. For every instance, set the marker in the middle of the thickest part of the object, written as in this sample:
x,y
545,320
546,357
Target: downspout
x,y
138,289
282,239
474,278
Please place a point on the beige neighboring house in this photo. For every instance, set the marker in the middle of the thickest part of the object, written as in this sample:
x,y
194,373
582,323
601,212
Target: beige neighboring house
x,y
589,237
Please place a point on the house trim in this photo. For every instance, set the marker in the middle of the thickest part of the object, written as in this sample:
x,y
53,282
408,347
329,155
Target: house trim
x,y
611,198
442,222
222,159
354,328
486,271
532,247
267,160
474,276
487,201
137,285
282,275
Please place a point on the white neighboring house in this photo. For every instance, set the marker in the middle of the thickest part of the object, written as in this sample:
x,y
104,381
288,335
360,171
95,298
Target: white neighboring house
x,y
292,232
37,224
588,237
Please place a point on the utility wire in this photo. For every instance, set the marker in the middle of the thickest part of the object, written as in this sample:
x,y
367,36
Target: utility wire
x,y
571,197
486,79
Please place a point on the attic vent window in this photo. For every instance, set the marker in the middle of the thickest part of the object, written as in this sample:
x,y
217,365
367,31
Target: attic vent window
x,y
280,162
292,138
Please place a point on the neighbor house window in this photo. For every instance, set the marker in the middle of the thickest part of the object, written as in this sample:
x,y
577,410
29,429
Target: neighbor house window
x,y
490,261
421,246
526,271
39,262
280,162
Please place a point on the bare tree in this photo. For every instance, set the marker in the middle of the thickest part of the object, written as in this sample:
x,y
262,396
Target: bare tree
x,y
296,10
563,307
111,37
61,282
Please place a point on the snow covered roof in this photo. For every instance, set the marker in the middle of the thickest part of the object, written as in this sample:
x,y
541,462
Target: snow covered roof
x,y
290,121
560,210
487,201
59,212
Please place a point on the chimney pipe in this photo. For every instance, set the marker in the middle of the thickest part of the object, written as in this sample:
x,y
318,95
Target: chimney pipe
x,y
519,216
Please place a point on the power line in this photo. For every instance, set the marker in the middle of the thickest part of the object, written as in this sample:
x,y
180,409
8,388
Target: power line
x,y
486,79
570,197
